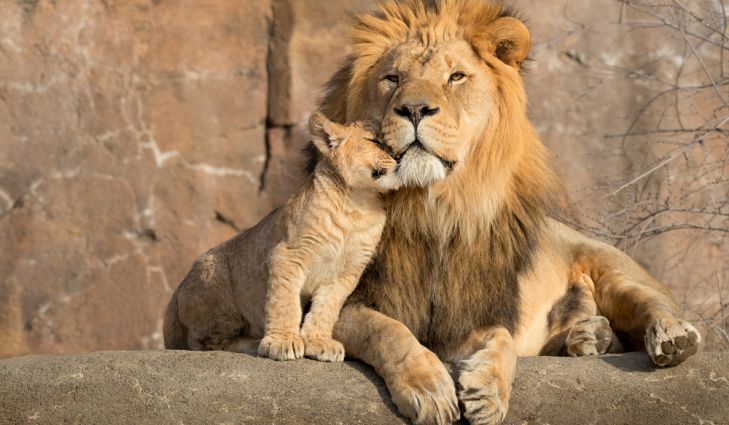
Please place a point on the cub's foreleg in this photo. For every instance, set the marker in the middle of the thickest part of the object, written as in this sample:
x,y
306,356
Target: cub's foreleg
x,y
282,340
485,375
318,326
420,385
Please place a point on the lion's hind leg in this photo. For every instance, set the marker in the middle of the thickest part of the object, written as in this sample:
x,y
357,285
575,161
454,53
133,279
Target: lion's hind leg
x,y
670,341
639,307
576,328
592,336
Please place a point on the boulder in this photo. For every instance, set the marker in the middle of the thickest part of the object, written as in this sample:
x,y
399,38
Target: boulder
x,y
158,387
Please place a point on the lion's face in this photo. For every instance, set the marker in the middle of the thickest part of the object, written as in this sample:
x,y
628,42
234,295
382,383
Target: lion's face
x,y
435,74
434,103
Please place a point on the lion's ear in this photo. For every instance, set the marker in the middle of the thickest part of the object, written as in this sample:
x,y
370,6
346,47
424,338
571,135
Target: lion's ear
x,y
507,38
324,134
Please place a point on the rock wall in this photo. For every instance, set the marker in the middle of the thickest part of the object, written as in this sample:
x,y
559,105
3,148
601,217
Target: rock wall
x,y
173,387
136,134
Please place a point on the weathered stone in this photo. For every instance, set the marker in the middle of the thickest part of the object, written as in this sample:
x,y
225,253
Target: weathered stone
x,y
308,44
130,130
169,387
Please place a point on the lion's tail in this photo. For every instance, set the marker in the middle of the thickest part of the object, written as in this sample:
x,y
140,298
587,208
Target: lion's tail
x,y
175,333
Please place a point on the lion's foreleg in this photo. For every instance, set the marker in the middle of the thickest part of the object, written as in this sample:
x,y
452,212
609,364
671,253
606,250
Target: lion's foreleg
x,y
639,306
485,376
420,386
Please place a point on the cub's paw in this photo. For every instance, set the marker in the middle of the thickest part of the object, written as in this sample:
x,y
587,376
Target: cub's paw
x,y
423,390
482,392
671,341
324,349
589,337
288,346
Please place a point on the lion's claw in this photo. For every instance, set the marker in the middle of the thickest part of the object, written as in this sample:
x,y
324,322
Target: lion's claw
x,y
671,341
485,401
423,390
589,337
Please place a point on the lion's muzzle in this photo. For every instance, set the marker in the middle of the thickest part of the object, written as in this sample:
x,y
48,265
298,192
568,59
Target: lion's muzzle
x,y
419,167
416,113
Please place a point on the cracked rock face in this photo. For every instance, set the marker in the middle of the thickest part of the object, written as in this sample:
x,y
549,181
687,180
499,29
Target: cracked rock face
x,y
134,126
136,135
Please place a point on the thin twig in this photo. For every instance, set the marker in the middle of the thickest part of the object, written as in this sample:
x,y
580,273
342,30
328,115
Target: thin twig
x,y
700,19
667,160
703,65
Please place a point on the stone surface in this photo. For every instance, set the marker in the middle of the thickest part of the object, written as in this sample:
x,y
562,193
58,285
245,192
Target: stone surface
x,y
185,387
133,140
137,134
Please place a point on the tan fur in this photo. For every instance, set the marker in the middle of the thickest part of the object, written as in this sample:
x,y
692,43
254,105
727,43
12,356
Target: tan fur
x,y
576,327
313,249
470,266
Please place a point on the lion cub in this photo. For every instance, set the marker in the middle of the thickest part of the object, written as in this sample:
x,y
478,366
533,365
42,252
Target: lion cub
x,y
333,226
313,249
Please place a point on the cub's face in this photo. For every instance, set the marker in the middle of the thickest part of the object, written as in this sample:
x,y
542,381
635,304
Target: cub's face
x,y
356,154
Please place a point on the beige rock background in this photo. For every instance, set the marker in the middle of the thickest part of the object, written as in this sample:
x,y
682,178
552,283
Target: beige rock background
x,y
136,134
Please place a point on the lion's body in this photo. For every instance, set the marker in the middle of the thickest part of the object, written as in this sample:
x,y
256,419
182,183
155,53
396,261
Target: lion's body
x,y
470,269
314,249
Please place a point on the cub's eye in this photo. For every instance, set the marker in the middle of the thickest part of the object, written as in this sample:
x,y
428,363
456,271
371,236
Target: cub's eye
x,y
393,78
456,76
376,174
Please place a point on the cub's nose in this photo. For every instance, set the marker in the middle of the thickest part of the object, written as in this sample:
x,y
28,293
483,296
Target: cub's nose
x,y
416,113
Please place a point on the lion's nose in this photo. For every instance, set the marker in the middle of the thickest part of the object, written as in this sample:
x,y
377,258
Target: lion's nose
x,y
416,113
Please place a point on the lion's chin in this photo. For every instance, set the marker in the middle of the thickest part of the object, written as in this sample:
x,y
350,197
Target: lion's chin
x,y
420,169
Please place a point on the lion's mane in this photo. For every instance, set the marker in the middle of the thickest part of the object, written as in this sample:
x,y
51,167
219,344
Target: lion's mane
x,y
451,254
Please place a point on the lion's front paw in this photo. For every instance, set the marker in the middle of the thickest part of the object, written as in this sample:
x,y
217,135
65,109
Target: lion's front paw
x,y
324,349
671,341
422,390
483,393
288,346
589,337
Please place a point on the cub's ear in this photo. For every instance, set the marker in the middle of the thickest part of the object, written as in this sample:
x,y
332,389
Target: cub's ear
x,y
507,38
325,134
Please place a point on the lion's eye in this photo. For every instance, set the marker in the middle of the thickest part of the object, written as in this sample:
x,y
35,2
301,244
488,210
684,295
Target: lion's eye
x,y
392,78
456,76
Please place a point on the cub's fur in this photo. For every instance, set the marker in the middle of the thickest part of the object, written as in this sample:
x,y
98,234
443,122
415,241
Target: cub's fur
x,y
314,249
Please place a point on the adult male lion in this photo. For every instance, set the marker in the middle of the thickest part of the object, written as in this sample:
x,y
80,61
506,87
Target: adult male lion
x,y
470,269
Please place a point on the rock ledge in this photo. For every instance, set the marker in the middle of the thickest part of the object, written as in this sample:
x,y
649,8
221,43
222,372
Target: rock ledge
x,y
159,387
